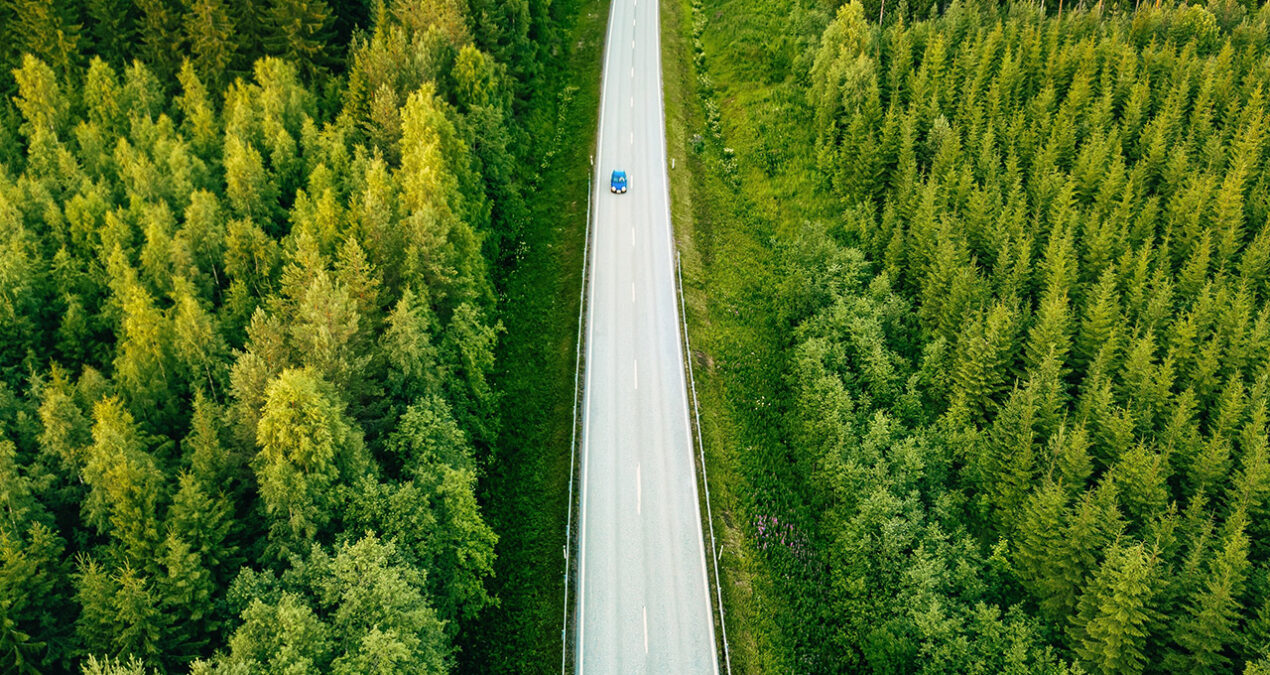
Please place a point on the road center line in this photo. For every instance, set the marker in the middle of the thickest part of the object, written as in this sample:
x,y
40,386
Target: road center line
x,y
645,629
632,291
639,492
632,235
632,138
637,373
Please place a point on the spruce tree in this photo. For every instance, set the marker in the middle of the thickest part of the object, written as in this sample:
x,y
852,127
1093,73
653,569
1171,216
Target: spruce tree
x,y
209,29
299,31
307,449
1211,617
1115,613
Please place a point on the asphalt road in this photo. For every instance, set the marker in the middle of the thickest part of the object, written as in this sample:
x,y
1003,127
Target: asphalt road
x,y
642,600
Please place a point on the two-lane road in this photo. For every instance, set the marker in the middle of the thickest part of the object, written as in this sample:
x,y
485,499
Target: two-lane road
x,y
642,601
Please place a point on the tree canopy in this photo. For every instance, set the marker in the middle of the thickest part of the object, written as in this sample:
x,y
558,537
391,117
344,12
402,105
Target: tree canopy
x,y
1027,372
247,290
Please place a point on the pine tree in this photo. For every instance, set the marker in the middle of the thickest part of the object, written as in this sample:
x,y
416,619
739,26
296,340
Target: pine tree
x,y
45,31
1060,266
102,96
984,357
1195,270
1116,611
198,346
33,577
212,464
307,448
467,351
249,187
375,208
143,89
327,335
1139,476
198,122
209,29
1051,332
1093,524
159,33
156,263
95,592
138,621
125,486
1040,546
66,430
144,366
1212,616
1007,464
354,271
1250,485
383,124
299,31
184,591
407,345
111,25
1071,461
44,106
1097,340
444,205
1145,385
110,666
1112,426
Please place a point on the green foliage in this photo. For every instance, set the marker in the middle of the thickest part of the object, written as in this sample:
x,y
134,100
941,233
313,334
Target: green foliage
x,y
209,29
1044,437
307,448
360,610
234,321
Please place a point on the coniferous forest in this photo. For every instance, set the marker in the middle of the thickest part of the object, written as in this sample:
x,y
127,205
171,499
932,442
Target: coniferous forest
x,y
1022,342
248,267
1000,371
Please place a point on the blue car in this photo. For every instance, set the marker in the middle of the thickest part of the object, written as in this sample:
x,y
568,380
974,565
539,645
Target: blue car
x,y
618,182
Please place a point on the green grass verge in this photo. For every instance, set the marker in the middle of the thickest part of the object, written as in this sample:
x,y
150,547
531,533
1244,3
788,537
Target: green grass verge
x,y
525,487
745,178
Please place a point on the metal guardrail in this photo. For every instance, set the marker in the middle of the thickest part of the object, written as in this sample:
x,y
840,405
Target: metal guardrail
x,y
573,442
705,481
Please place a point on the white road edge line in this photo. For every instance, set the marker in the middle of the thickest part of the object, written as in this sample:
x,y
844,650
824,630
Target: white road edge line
x,y
632,291
586,404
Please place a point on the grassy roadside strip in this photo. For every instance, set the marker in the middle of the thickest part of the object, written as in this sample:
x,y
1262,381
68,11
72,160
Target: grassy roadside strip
x,y
721,258
525,487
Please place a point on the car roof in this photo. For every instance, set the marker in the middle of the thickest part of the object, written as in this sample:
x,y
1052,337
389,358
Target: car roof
x,y
619,172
